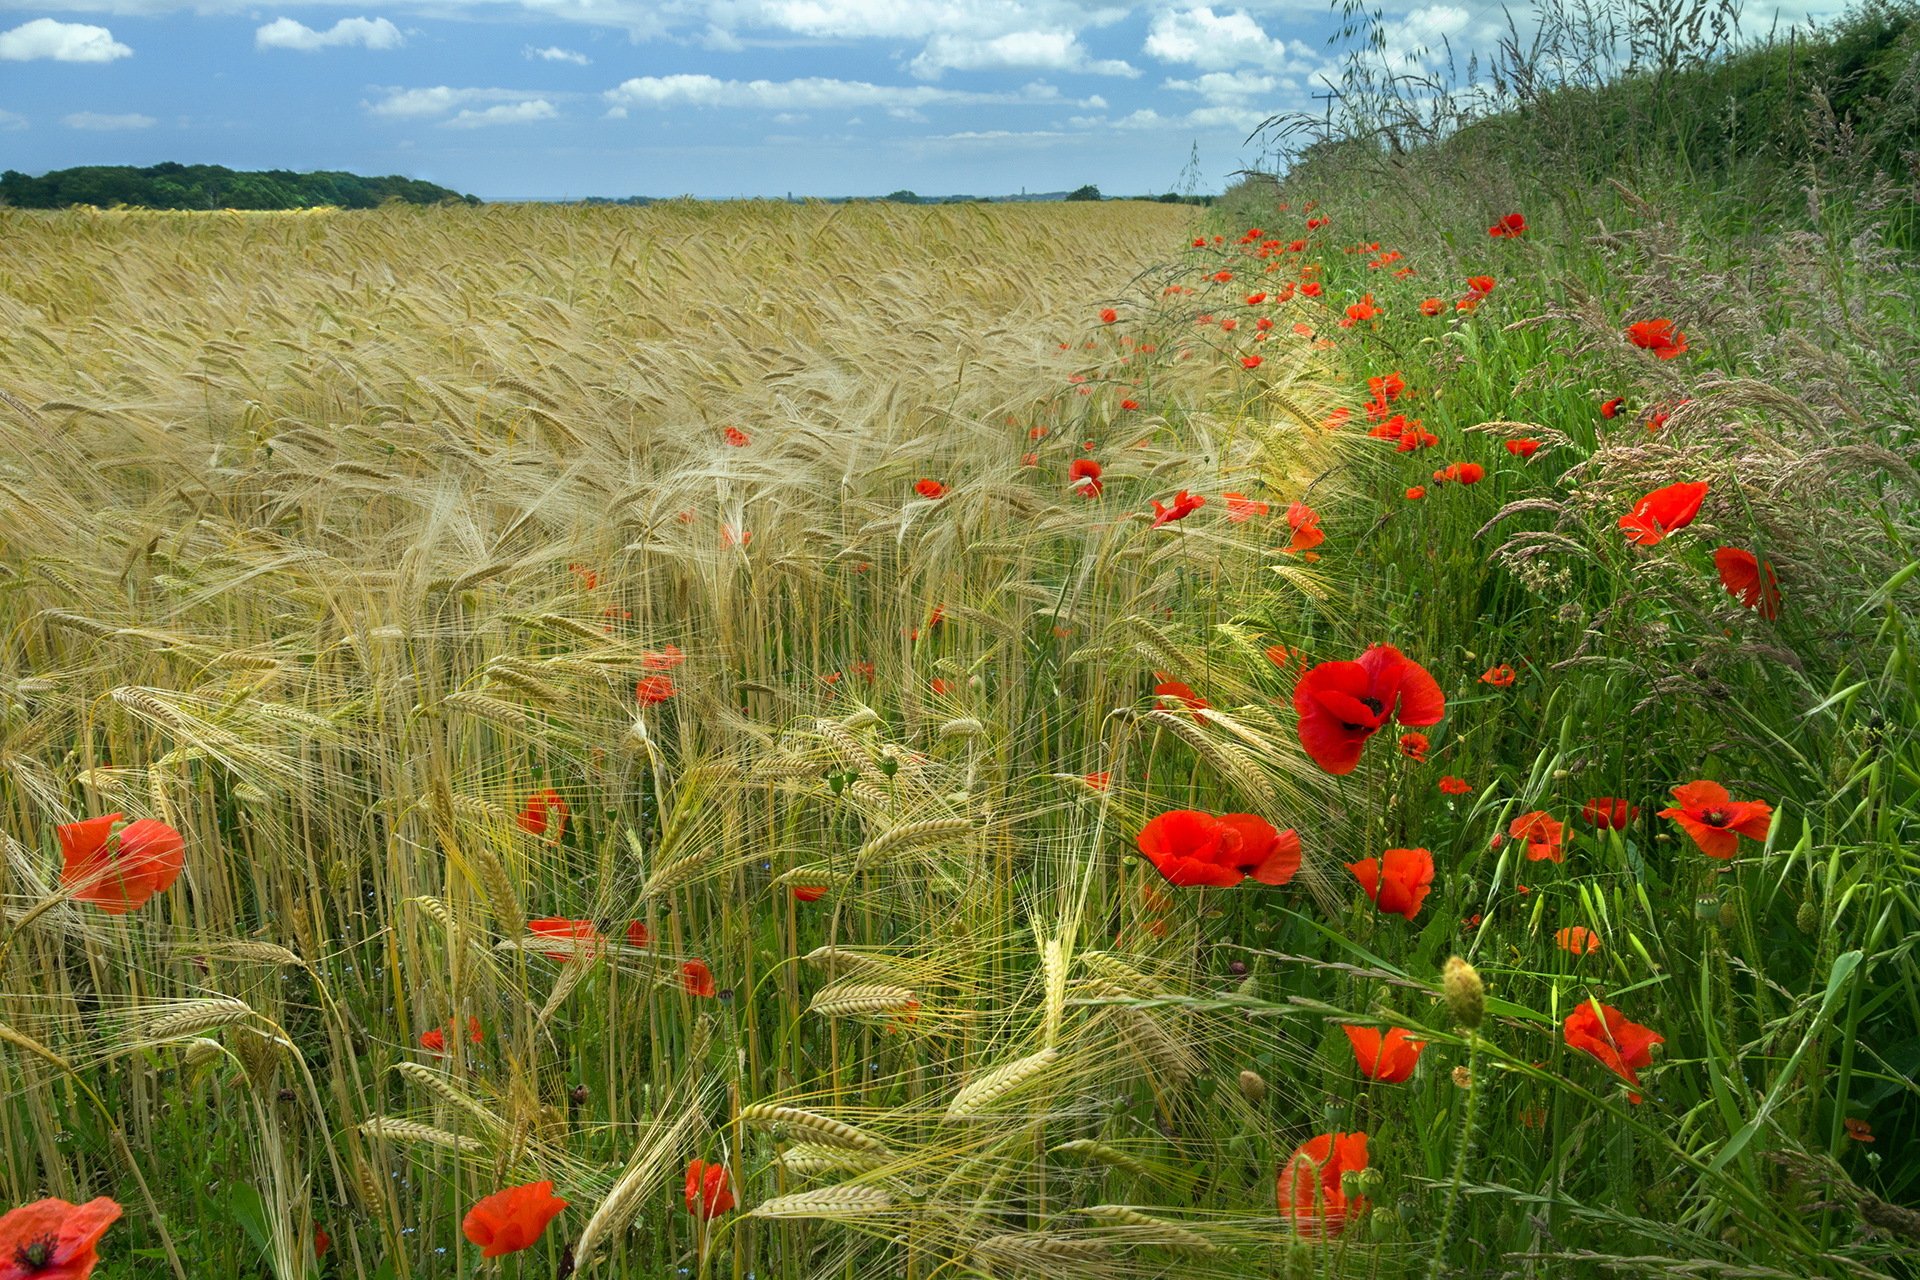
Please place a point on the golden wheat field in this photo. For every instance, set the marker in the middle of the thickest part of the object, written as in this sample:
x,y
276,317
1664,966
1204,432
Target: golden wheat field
x,y
638,689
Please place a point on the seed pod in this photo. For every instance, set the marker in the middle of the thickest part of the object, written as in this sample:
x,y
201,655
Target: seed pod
x,y
1253,1087
1465,994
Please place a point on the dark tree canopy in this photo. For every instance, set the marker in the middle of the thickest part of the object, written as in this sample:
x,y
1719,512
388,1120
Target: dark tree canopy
x,y
210,186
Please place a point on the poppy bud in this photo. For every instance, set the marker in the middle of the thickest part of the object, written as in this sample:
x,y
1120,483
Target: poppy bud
x,y
1727,915
1253,1087
1238,968
1462,1078
577,1094
1808,917
837,781
1465,994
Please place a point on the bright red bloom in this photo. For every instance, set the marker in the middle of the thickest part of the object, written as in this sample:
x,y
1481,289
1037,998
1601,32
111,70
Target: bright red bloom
x,y
1109,315
1432,306
1388,1058
1611,408
1251,362
1609,811
1749,580
1184,505
1715,820
1223,276
1398,880
1310,1188
653,690
638,935
697,979
581,936
1342,704
1241,508
1129,404
1416,493
809,892
1362,310
544,811
1657,336
1661,512
321,1242
1524,448
929,488
1512,226
1255,299
736,437
708,1192
1461,473
53,1240
1098,781
1083,477
1452,786
1544,836
1577,939
1312,289
1479,286
1307,533
663,659
1189,848
1622,1046
1499,677
1414,746
119,872
1857,1129
511,1220
434,1040
1178,690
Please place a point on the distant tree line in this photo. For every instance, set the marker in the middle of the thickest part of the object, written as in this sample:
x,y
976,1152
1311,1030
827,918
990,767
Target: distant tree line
x,y
210,186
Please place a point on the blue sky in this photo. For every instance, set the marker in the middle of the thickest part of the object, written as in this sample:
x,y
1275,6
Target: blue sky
x,y
704,97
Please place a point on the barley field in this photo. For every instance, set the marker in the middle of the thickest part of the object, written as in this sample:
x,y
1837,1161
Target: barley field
x,y
763,740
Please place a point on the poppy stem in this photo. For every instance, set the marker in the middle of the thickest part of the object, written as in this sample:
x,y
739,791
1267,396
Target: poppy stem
x,y
1463,1145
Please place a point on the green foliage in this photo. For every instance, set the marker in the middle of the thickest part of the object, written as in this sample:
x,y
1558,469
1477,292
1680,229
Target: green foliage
x,y
1088,192
204,186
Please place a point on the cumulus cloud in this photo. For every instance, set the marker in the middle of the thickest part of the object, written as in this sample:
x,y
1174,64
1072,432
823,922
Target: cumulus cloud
x,y
93,120
1220,41
60,42
554,53
810,94
1051,50
369,33
506,113
1233,86
419,104
9,122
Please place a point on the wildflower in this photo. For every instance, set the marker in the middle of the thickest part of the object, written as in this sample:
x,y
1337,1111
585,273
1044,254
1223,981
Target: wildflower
x,y
1577,939
1611,408
1432,306
1524,448
1311,1189
929,489
1452,786
1223,276
581,936
119,871
1479,286
54,1240
1184,505
697,979
1109,315
1129,404
734,536
434,1039
940,686
1513,226
544,811
1097,781
1178,691
1461,473
511,1220
1029,459
1416,493
1083,477
1250,362
1414,746
664,659
1659,513
638,935
1307,533
1499,677
1342,704
1228,326
1857,1129
1241,508
1312,289
1749,580
708,1192
1623,1047
1415,437
1388,1058
1277,655
1362,310
809,892
736,437
1190,848
653,690
1544,836
1398,880
1658,336
1609,811
1255,299
1715,820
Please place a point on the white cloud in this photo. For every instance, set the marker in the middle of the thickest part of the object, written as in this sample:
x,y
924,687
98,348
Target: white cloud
x,y
9,122
370,33
60,42
1219,41
1232,86
1052,50
417,104
554,53
506,113
811,94
93,120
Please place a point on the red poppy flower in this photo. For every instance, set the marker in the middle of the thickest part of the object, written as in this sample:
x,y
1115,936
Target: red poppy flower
x,y
1129,404
1609,811
1622,1046
929,488
653,690
1715,820
663,659
1469,304
1179,691
1661,512
1255,299
1415,437
1611,408
708,1193
1307,533
1098,781
544,811
1657,336
697,979
1362,310
733,536
1414,746
809,892
1342,704
638,935
1398,880
119,872
1480,285
1544,836
1452,786
1499,677
1432,306
1749,580
434,1040
1311,1190
1184,505
1029,459
1190,848
940,686
1109,315
581,936
1388,1058
53,1240
1277,654
1461,473
511,1220
736,437
1228,326
1857,1129
1241,508
321,1242
1199,242
1416,493
1524,448
1250,362
1513,225
1083,477
1577,939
